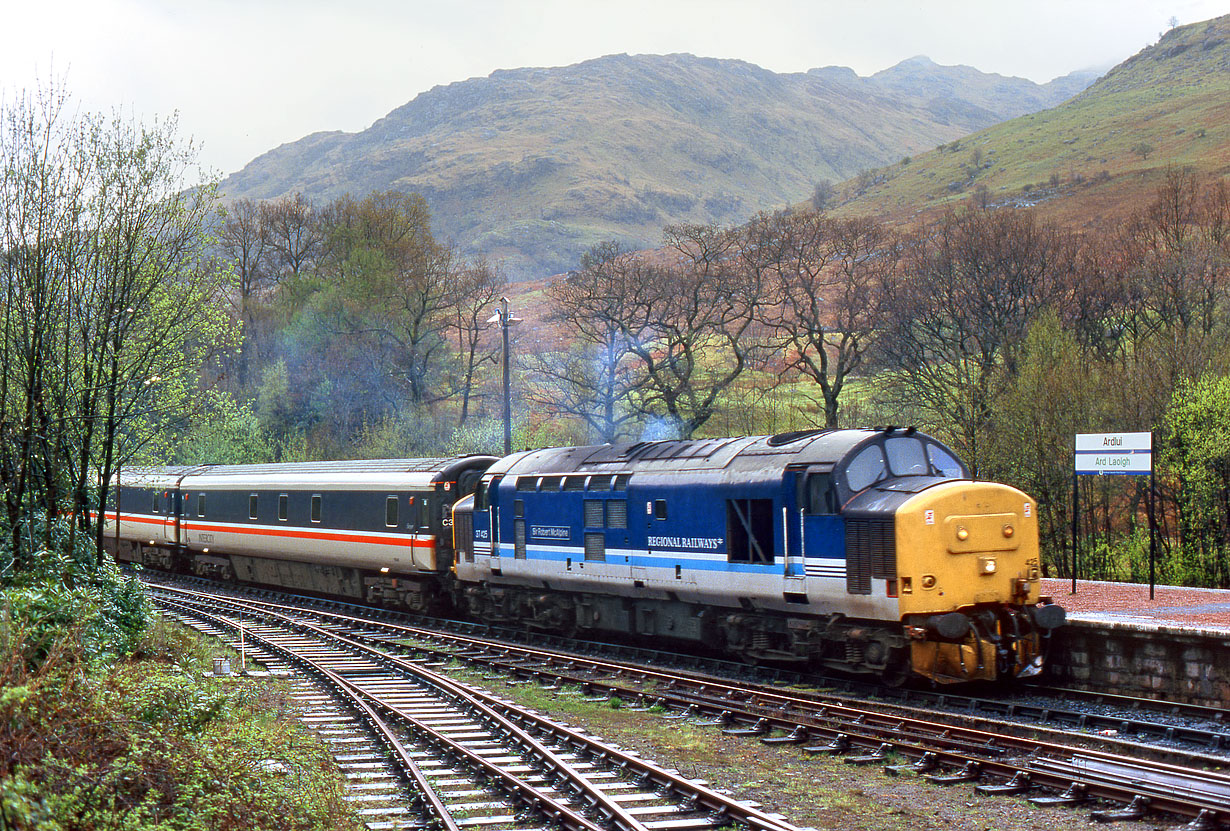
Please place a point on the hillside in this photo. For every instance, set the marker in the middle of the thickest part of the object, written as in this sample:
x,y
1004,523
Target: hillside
x,y
535,165
1089,160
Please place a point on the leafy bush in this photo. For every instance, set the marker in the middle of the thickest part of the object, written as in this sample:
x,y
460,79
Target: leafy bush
x,y
66,593
152,747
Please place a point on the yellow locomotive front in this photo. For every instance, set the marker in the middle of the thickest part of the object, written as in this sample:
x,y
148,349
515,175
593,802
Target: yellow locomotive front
x,y
968,583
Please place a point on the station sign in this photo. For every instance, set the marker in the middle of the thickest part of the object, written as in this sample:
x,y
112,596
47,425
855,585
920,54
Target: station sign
x,y
1129,454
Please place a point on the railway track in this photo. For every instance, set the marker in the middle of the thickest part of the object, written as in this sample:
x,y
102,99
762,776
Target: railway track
x,y
943,752
464,757
1138,719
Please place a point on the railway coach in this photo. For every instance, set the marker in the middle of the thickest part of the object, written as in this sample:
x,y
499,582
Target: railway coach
x,y
870,551
374,531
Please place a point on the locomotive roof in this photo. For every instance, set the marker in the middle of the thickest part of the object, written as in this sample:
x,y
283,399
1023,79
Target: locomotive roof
x,y
336,474
754,456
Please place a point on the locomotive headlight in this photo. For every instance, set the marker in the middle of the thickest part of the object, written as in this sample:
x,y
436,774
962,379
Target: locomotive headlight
x,y
986,565
962,533
1009,530
384,570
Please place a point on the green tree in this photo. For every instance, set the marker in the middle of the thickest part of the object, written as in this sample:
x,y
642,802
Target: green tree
x,y
972,285
112,306
1058,393
1197,453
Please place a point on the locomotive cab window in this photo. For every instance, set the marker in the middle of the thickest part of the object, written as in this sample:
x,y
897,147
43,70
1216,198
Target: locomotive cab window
x,y
945,463
252,500
906,457
821,496
283,506
390,512
866,468
315,507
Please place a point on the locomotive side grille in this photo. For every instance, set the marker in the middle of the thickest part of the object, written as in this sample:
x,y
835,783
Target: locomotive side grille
x,y
871,552
595,547
463,534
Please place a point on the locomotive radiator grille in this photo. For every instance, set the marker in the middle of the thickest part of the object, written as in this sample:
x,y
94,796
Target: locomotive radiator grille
x,y
871,552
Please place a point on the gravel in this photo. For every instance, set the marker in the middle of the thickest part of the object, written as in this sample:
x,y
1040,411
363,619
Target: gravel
x,y
1130,602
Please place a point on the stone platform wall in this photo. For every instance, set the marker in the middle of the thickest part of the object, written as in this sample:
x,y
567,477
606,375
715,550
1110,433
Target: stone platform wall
x,y
1186,665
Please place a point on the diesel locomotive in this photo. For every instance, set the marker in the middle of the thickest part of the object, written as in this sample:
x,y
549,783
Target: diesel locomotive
x,y
869,551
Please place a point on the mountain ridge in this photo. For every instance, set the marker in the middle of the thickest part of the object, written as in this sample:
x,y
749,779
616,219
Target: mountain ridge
x,y
533,165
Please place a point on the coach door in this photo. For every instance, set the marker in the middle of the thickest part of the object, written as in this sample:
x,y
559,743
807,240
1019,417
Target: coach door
x,y
170,521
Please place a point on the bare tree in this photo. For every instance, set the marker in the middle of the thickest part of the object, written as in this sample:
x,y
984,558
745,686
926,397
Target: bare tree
x,y
594,376
244,239
693,327
476,290
294,234
1174,256
825,303
970,287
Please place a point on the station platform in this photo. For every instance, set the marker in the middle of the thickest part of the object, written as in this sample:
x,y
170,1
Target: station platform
x,y
1129,603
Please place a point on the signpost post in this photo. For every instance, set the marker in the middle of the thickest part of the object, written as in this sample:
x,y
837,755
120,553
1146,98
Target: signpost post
x,y
1121,454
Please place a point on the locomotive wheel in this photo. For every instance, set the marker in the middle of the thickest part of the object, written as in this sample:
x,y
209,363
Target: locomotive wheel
x,y
898,670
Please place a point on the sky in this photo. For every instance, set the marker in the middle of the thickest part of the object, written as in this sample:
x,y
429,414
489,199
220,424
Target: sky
x,y
244,76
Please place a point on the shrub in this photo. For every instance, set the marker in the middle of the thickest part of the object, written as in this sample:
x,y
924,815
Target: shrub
x,y
149,747
67,594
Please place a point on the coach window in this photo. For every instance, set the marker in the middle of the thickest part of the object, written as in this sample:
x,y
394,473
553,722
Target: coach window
x,y
390,512
157,504
424,512
200,504
283,499
659,509
315,507
252,506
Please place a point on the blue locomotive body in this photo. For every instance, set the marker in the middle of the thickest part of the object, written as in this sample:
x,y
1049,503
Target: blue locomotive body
x,y
781,548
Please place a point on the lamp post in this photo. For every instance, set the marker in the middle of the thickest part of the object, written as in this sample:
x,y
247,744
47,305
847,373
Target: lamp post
x,y
505,319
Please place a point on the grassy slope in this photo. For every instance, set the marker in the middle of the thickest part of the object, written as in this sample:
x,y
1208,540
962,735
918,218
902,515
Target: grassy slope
x,y
1173,96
